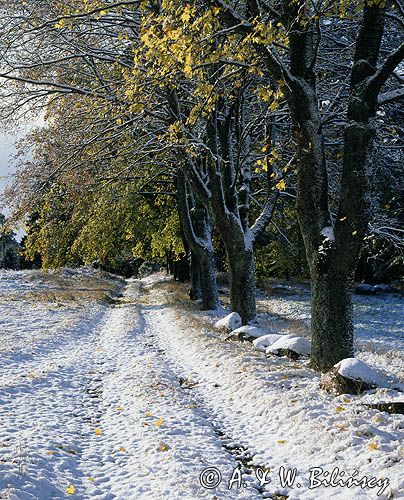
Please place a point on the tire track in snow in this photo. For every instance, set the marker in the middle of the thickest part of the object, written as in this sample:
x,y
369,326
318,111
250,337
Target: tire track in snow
x,y
156,441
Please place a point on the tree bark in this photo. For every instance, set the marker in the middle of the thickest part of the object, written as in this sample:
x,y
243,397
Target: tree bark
x,y
332,248
331,319
237,240
242,283
332,324
181,270
197,232
195,292
210,294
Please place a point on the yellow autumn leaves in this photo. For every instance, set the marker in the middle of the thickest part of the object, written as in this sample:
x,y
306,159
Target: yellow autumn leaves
x,y
158,422
163,447
267,163
273,97
71,490
60,24
171,43
186,14
182,43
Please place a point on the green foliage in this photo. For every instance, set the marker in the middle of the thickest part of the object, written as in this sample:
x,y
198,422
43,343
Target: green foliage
x,y
51,235
102,227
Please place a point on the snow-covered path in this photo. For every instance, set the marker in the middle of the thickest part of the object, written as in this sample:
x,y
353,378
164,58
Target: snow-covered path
x,y
96,412
135,399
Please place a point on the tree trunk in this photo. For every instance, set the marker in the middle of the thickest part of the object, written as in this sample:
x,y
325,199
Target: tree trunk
x,y
197,233
210,294
195,292
331,319
169,263
181,270
242,283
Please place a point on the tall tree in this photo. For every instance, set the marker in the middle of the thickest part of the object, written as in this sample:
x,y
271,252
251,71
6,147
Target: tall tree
x,y
332,242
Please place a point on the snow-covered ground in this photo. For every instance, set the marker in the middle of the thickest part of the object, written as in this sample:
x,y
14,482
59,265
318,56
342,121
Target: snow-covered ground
x,y
378,320
141,398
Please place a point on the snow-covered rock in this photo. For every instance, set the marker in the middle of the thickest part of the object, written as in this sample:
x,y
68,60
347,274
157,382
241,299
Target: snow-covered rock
x,y
355,369
246,332
230,322
385,288
281,287
291,346
265,341
365,289
352,376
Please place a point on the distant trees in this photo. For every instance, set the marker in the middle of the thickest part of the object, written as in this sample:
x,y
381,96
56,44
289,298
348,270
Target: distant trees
x,y
9,257
94,210
205,120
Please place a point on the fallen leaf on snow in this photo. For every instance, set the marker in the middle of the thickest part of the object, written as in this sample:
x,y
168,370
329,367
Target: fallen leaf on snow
x,y
122,449
373,447
98,432
339,409
159,422
163,447
281,441
70,490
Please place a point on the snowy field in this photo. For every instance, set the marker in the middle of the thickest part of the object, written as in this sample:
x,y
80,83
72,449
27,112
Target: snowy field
x,y
138,397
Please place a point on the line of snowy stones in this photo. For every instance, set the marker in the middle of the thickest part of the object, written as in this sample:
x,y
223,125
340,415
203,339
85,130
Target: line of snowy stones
x,y
349,376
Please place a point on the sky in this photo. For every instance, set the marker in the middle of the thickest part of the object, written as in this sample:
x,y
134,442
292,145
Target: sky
x,y
7,142
7,151
8,139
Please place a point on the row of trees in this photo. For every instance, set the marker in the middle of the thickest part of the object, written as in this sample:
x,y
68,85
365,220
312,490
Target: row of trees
x,y
203,122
